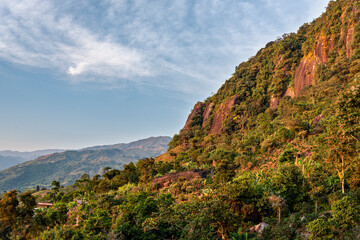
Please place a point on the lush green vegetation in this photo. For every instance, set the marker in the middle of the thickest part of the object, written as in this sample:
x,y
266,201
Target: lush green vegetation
x,y
293,165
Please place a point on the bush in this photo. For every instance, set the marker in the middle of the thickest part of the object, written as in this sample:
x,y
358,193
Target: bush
x,y
320,230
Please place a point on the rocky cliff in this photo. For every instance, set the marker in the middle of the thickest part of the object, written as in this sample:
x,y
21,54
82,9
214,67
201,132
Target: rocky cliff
x,y
284,68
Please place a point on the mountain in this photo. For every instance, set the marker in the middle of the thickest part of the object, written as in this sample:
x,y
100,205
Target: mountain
x,y
149,143
6,162
29,155
294,95
274,154
70,165
11,158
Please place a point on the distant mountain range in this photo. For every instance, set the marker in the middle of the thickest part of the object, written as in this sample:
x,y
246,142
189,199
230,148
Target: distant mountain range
x,y
68,166
11,158
6,162
29,155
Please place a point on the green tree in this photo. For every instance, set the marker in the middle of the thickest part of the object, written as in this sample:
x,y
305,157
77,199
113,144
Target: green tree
x,y
289,183
246,194
279,203
8,212
61,232
26,211
56,186
146,169
56,215
345,214
320,229
131,172
106,169
287,156
55,191
344,133
97,223
317,178
85,176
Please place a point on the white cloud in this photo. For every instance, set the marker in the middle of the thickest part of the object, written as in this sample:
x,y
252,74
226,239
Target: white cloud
x,y
191,46
33,33
106,59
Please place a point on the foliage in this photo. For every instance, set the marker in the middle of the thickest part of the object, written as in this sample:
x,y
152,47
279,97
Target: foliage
x,y
320,229
277,156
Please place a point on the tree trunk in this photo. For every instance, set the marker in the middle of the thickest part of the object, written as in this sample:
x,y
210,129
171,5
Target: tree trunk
x,y
303,167
279,214
343,175
316,206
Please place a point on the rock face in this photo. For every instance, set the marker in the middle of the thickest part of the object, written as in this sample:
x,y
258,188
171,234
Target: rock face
x,y
290,92
349,34
306,71
321,49
221,113
304,74
274,102
198,109
174,177
208,110
204,111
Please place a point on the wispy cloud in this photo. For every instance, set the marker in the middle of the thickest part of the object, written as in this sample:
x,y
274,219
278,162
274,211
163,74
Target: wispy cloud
x,y
34,33
188,45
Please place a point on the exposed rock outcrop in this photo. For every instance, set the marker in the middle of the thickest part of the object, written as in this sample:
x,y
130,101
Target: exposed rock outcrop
x,y
304,74
306,71
349,34
274,102
197,110
221,113
321,50
207,112
290,92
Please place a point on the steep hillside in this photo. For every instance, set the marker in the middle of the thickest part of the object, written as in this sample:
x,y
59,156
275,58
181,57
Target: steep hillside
x,y
289,97
272,155
67,166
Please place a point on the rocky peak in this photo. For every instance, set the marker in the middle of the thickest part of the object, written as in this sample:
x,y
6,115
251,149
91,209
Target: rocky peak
x,y
197,110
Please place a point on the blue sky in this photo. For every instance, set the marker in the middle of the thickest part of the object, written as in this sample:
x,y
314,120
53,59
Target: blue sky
x,y
82,73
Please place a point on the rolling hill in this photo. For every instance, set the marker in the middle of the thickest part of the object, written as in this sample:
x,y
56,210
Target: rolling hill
x,y
67,166
11,158
6,162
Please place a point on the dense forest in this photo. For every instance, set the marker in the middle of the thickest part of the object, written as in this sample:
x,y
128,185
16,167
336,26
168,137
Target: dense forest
x,y
272,155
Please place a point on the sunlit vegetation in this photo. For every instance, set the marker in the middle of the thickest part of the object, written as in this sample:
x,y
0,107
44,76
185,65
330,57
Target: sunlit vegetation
x,y
292,166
